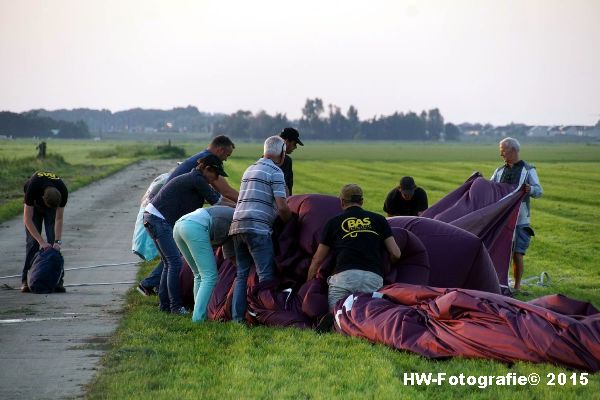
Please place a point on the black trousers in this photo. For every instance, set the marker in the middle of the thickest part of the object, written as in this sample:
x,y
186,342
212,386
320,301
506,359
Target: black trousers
x,y
47,217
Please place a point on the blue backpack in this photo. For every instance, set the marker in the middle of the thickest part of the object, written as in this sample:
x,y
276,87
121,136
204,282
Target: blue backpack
x,y
47,271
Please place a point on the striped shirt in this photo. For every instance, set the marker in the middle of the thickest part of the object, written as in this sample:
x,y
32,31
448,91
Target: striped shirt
x,y
256,208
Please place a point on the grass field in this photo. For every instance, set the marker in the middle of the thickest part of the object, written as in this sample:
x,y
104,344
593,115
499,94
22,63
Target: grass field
x,y
165,357
77,162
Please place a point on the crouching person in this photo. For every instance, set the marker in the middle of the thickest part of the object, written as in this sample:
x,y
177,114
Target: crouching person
x,y
196,234
360,239
45,200
178,197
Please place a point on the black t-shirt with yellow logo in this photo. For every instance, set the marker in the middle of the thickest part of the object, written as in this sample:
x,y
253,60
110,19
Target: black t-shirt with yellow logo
x,y
34,189
357,237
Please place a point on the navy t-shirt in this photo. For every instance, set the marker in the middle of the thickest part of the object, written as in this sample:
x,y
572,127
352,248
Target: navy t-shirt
x,y
357,236
184,194
37,183
395,204
288,173
188,164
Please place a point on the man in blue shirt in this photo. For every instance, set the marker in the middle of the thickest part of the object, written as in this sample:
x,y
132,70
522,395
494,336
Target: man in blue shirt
x,y
221,147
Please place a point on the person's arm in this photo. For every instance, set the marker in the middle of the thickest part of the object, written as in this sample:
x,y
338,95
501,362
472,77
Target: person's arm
x,y
58,226
317,260
222,186
387,204
392,249
224,201
532,185
30,226
423,203
283,210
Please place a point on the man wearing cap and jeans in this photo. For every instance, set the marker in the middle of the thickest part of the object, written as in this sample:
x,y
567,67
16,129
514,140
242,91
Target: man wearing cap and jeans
x,y
262,199
360,239
178,197
406,199
292,140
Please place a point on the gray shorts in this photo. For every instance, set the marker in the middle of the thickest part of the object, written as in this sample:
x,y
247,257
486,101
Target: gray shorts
x,y
343,284
523,234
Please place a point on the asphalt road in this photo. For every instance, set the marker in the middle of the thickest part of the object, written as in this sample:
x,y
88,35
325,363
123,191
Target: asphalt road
x,y
50,345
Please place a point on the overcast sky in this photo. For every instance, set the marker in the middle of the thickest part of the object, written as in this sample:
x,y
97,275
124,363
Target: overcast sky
x,y
531,61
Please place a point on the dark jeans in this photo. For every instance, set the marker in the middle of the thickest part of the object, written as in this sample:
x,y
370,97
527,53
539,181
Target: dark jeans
x,y
249,248
161,232
46,217
153,280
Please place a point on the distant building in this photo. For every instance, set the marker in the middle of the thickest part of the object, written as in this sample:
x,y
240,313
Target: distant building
x,y
539,131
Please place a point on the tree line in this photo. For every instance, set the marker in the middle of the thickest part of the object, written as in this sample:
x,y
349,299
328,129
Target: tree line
x,y
316,124
30,124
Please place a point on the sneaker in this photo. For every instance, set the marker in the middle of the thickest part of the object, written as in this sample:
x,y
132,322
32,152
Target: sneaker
x,y
25,288
145,291
181,311
60,289
325,324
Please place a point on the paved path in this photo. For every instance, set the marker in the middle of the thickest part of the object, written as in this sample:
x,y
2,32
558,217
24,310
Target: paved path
x,y
50,345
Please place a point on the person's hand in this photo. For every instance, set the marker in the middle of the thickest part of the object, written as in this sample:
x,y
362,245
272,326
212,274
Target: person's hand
x,y
312,272
526,188
56,246
45,246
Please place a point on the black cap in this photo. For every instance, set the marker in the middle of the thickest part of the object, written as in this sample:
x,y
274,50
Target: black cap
x,y
291,134
214,162
407,185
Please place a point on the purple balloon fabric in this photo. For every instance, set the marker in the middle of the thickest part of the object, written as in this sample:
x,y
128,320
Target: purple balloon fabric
x,y
487,209
440,323
295,243
468,320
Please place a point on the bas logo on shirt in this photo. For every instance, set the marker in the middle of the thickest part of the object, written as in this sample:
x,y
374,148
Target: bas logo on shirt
x,y
353,226
49,175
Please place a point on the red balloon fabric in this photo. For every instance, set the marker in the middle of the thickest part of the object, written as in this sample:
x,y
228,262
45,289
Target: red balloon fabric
x,y
439,323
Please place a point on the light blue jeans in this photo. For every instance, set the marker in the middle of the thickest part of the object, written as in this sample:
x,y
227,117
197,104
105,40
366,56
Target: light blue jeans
x,y
249,248
193,239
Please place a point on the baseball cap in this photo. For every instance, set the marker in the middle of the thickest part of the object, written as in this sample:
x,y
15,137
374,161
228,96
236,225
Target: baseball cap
x,y
407,185
352,193
214,162
291,134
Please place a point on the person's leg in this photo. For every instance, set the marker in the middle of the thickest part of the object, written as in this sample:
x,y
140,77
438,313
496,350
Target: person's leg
x,y
49,218
183,233
163,294
153,280
31,245
244,260
335,293
162,233
261,249
197,238
521,244
352,281
518,269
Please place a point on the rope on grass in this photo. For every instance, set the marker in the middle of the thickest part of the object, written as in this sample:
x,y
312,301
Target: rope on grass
x,y
78,268
100,284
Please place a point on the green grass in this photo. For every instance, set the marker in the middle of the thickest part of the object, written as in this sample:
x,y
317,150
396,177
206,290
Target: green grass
x,y
77,162
164,357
